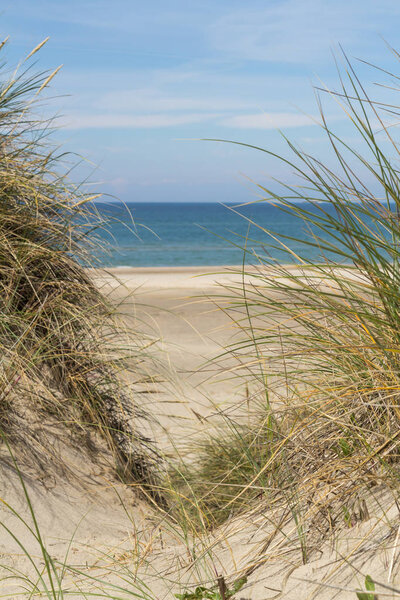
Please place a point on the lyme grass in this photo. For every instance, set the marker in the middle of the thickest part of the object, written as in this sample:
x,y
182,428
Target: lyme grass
x,y
324,335
221,464
322,338
57,329
65,355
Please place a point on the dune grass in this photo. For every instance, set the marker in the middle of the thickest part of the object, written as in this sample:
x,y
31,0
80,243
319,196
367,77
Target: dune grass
x,y
323,339
58,331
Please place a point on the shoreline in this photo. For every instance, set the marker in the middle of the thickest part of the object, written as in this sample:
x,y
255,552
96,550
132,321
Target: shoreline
x,y
171,278
211,269
172,269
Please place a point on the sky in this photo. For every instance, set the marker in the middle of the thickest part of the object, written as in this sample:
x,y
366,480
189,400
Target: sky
x,y
142,83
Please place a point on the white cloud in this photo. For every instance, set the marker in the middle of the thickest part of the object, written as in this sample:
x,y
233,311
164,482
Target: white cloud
x,y
302,32
110,121
268,121
170,97
159,100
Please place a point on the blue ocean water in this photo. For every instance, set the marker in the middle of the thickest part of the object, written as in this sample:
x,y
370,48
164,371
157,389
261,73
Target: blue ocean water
x,y
187,234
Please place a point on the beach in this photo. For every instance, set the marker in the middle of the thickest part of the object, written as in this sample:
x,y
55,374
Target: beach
x,y
199,382
183,314
181,310
184,310
195,317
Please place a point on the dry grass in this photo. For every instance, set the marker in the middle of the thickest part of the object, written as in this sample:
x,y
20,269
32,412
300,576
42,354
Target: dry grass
x,y
58,332
323,443
324,340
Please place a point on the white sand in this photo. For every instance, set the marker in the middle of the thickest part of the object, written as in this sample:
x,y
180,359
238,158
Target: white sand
x,y
182,309
178,307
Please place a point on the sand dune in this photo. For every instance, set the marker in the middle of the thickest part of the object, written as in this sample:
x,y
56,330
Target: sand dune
x,y
181,308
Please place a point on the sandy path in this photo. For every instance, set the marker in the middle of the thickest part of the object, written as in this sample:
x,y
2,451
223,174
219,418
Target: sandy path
x,y
182,309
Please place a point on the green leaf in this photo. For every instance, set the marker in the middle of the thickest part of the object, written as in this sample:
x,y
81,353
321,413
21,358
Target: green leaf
x,y
369,584
345,447
203,593
347,516
237,585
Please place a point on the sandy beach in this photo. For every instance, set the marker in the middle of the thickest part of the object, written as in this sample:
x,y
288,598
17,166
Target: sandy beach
x,y
178,309
183,309
182,312
191,314
210,432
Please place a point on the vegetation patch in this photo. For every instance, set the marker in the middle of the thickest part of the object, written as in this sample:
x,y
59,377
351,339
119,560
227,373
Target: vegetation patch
x,y
58,332
324,337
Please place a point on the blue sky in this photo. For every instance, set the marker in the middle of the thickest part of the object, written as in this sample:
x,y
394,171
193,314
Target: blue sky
x,y
141,83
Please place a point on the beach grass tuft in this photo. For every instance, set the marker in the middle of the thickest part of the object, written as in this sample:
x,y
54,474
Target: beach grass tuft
x,y
322,338
317,450
58,332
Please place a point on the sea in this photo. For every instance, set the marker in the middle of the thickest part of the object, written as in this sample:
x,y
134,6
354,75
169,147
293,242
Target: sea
x,y
167,234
